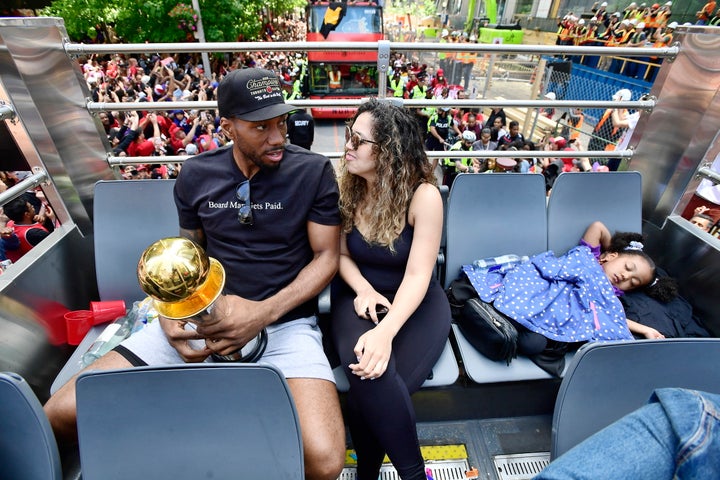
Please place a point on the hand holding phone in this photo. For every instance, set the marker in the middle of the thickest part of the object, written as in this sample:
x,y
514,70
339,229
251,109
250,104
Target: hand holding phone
x,y
380,312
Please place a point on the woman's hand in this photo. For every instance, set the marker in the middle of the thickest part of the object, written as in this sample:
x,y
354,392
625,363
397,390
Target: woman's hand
x,y
373,350
366,302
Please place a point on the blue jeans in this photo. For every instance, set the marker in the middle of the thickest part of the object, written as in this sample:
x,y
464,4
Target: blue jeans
x,y
676,435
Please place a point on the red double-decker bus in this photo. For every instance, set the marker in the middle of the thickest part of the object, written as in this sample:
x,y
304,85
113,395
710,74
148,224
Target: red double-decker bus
x,y
343,74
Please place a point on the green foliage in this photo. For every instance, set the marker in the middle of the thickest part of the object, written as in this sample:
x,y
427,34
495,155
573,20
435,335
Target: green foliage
x,y
137,21
421,9
81,16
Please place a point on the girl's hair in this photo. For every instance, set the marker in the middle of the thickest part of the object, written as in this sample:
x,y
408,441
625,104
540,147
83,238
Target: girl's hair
x,y
661,288
401,166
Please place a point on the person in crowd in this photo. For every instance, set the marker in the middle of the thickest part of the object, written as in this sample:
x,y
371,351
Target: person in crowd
x,y
701,219
292,251
301,128
439,132
496,112
387,258
513,134
676,435
572,123
453,166
8,239
484,143
439,81
497,129
610,128
548,112
29,226
706,13
472,121
559,308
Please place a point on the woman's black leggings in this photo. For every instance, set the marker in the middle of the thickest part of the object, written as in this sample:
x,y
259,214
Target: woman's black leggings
x,y
381,416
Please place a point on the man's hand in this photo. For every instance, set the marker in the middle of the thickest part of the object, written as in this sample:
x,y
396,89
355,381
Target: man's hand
x,y
178,335
235,321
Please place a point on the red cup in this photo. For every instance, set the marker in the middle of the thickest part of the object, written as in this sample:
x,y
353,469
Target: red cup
x,y
107,311
78,323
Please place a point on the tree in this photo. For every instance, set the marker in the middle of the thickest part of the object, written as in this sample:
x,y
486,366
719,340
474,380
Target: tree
x,y
137,21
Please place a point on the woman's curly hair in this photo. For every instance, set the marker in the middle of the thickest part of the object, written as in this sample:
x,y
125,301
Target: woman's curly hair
x,y
402,166
661,288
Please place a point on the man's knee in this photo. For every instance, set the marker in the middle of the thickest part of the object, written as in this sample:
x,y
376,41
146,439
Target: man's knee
x,y
61,408
324,460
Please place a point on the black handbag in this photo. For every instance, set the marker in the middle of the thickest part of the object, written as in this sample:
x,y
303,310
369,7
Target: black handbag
x,y
489,331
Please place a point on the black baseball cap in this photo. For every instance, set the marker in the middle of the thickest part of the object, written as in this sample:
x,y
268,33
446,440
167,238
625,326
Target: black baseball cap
x,y
252,94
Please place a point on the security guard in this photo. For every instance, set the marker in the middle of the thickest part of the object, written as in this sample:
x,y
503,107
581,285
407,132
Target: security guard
x,y
453,166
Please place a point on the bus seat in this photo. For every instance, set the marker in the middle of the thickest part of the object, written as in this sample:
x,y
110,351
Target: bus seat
x,y
605,381
439,269
129,215
28,449
445,372
579,198
481,369
490,215
228,420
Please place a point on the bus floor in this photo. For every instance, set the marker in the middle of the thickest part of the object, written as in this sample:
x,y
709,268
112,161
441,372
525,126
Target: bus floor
x,y
495,449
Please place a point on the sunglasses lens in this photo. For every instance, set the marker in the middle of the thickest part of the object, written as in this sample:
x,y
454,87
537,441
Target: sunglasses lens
x,y
353,138
245,215
243,195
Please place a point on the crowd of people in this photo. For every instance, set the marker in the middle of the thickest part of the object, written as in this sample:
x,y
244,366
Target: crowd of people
x,y
179,78
24,222
637,25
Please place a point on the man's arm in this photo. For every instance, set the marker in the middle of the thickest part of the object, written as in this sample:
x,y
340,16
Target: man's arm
x,y
239,320
325,244
197,236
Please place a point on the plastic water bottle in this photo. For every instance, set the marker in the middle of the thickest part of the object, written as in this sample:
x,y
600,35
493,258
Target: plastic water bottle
x,y
501,260
110,338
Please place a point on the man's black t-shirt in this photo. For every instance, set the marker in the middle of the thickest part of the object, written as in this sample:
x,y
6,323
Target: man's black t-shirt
x,y
262,258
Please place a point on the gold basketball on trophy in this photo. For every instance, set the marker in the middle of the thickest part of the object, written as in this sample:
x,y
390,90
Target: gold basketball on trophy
x,y
180,277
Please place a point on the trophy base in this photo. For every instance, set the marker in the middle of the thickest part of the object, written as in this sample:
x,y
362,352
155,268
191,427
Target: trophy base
x,y
249,353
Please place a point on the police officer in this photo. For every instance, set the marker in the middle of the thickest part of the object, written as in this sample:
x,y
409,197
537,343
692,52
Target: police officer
x,y
453,166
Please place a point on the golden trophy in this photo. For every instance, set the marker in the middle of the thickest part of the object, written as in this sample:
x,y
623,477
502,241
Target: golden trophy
x,y
184,284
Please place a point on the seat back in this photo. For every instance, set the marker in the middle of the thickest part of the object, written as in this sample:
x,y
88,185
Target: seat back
x,y
181,422
490,215
606,381
494,214
579,198
440,264
28,449
129,215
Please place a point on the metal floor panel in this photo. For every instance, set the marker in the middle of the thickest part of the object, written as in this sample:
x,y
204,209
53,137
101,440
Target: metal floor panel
x,y
441,470
521,466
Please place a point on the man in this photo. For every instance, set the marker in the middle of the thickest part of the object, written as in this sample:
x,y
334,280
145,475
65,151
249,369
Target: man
x,y
701,220
512,135
28,227
438,132
455,166
268,212
301,128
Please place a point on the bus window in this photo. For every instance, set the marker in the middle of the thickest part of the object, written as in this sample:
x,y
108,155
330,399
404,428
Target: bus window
x,y
350,79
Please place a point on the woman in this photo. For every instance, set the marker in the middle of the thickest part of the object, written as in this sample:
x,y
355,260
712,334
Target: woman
x,y
392,223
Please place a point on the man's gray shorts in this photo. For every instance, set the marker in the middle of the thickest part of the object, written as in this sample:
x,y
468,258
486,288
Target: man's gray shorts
x,y
294,347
